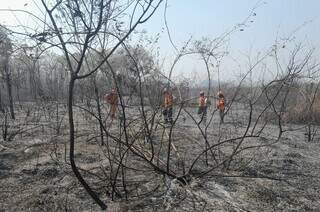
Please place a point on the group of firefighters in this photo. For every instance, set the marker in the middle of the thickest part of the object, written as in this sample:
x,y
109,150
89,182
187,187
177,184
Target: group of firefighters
x,y
203,103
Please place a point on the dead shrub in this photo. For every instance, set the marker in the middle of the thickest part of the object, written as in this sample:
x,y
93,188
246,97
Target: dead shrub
x,y
300,113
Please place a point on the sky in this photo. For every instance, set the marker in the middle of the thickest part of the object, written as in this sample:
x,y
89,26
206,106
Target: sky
x,y
210,18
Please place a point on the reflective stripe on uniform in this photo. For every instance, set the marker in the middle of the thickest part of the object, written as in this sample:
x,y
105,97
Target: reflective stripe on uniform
x,y
202,101
168,100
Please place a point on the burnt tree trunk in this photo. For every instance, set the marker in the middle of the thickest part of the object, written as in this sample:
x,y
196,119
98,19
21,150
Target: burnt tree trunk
x,y
75,170
9,89
1,106
96,92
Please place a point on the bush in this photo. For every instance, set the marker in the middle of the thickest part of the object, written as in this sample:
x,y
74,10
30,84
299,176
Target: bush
x,y
300,114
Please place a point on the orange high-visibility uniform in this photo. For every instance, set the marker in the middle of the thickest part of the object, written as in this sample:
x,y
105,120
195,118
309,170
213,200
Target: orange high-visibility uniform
x,y
112,99
202,101
202,110
221,104
167,104
168,100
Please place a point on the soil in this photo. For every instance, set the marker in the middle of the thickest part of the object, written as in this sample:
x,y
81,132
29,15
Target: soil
x,y
35,174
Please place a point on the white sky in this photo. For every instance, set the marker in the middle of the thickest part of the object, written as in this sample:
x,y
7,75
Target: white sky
x,y
277,18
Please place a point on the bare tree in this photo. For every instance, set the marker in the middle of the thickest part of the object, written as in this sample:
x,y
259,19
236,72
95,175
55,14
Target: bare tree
x,y
6,50
97,55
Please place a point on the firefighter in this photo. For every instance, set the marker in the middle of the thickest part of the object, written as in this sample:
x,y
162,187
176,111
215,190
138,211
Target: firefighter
x,y
112,99
167,106
221,105
202,109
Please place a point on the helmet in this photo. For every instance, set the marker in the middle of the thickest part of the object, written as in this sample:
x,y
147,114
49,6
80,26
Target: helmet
x,y
165,90
220,94
201,92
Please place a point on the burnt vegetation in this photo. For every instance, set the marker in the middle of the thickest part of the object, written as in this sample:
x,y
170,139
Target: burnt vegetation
x,y
59,141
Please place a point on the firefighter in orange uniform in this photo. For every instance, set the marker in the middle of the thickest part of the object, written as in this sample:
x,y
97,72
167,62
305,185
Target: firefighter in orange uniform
x,y
202,110
167,106
221,105
112,99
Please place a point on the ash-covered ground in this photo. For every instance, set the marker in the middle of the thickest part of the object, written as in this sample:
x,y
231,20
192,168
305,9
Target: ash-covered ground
x,y
35,174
